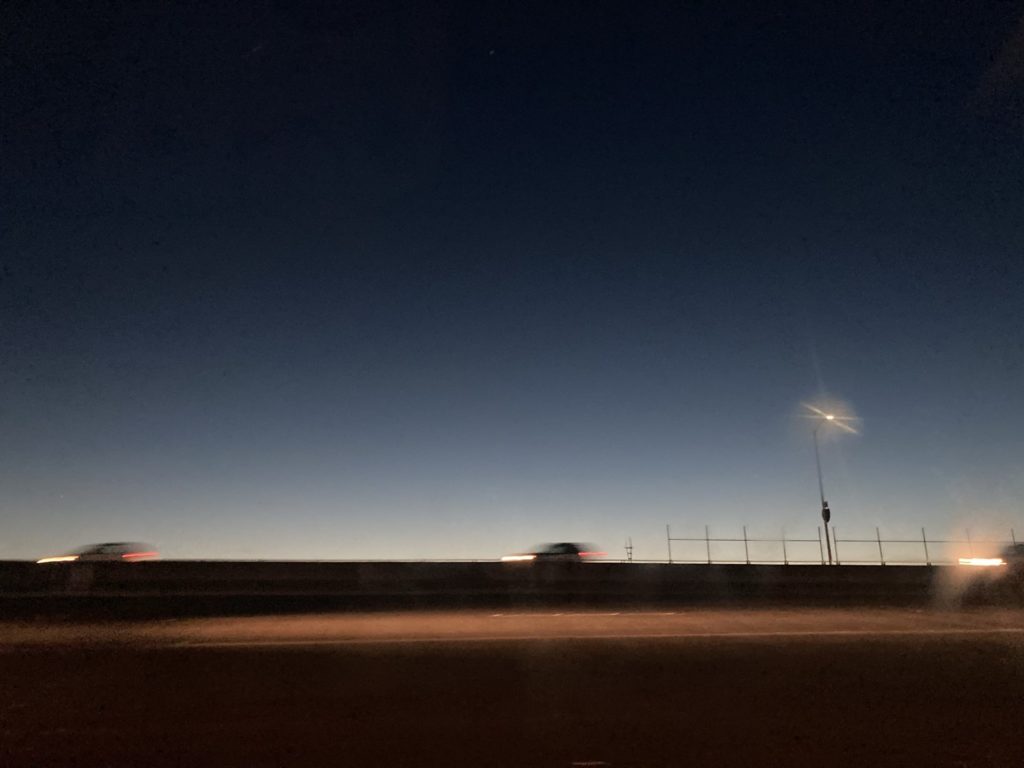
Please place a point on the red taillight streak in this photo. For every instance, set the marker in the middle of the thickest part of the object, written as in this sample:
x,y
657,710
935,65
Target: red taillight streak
x,y
593,554
139,555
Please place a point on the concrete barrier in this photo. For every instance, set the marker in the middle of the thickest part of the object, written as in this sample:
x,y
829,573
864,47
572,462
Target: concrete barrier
x,y
205,587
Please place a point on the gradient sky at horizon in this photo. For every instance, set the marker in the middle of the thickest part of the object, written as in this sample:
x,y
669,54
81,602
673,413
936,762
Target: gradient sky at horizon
x,y
370,280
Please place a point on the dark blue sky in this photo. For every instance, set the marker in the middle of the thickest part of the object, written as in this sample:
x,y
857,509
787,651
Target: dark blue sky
x,y
376,280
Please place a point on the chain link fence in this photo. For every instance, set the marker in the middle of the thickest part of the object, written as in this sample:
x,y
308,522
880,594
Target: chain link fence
x,y
855,550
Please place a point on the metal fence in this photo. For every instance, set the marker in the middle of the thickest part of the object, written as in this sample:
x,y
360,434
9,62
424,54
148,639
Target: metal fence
x,y
871,550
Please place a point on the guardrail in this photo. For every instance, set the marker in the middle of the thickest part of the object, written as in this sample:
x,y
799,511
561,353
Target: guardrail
x,y
787,550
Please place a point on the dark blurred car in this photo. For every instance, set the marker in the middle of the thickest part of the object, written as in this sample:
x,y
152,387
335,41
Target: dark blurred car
x,y
994,580
562,552
1013,556
120,551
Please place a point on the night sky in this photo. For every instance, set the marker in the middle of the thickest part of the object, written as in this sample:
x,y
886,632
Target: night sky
x,y
369,279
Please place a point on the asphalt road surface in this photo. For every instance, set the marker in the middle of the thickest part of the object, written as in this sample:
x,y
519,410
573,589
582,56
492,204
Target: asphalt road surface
x,y
547,688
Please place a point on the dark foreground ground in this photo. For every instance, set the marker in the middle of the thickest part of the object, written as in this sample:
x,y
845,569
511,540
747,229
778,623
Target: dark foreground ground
x,y
794,688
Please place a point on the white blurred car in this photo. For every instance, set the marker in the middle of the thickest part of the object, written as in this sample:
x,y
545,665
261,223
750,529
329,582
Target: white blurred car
x,y
121,551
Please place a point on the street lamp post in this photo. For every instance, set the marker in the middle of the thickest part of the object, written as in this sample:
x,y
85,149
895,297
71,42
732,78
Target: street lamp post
x,y
826,513
824,418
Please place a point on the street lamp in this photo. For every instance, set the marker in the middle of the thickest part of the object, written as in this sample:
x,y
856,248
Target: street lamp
x,y
822,418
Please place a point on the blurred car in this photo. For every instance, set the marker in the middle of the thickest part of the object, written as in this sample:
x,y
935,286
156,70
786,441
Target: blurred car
x,y
561,552
993,580
1012,557
121,551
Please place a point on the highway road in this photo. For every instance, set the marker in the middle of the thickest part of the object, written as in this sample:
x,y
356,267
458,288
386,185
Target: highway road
x,y
543,688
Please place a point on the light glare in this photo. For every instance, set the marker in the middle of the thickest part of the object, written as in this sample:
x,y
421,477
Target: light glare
x,y
845,423
982,562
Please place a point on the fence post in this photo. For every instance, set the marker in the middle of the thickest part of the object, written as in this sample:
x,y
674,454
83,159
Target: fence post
x,y
1013,537
821,547
835,543
707,542
970,546
746,547
785,557
924,540
881,555
668,540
